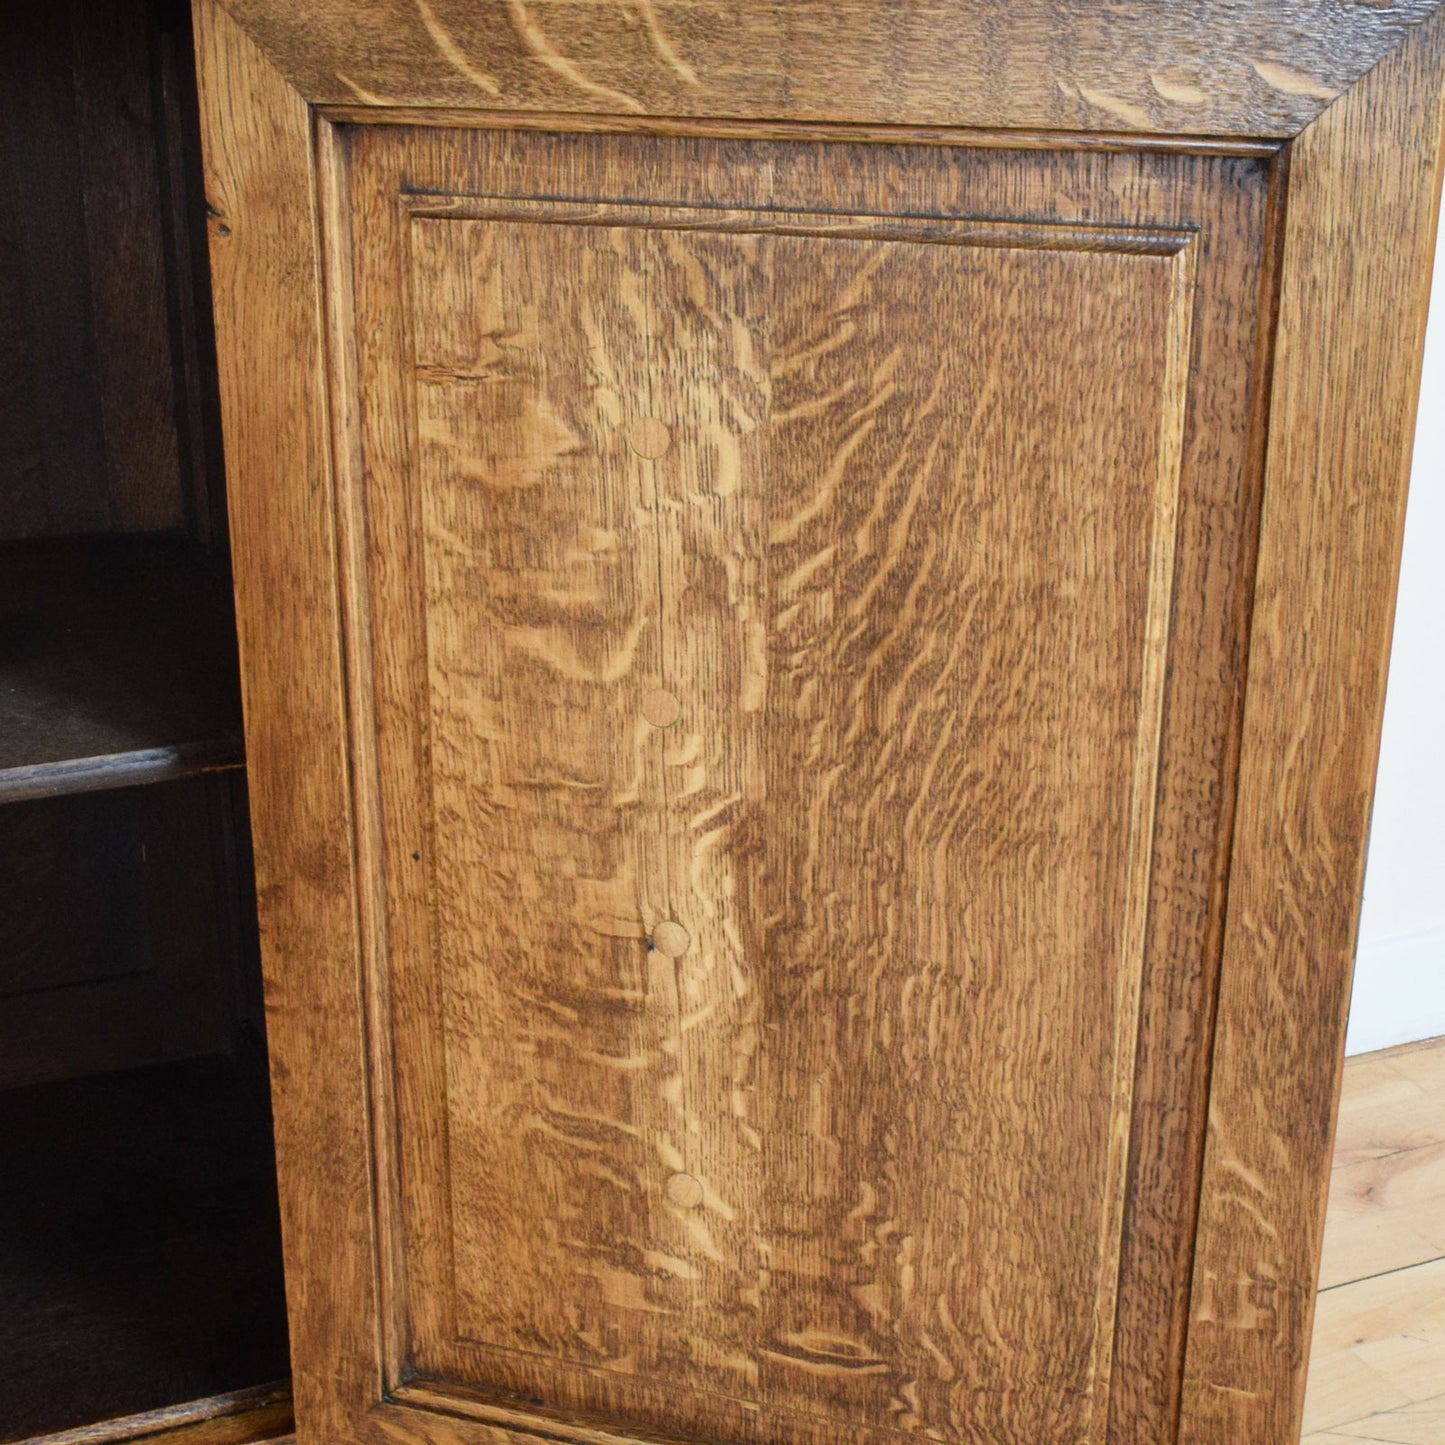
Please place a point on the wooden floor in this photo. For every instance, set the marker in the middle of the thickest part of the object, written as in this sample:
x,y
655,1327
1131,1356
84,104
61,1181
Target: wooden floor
x,y
1377,1366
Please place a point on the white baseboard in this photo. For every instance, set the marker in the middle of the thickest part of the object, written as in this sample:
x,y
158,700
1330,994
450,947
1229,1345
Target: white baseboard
x,y
1399,994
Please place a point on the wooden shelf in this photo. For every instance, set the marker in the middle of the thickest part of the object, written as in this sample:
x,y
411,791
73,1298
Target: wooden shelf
x,y
117,664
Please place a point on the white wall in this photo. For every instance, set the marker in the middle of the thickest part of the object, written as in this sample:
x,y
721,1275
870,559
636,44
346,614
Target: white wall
x,y
1400,969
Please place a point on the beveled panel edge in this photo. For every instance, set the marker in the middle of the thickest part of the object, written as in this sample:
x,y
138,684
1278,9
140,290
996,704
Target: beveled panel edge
x,y
1192,68
573,122
1142,240
332,180
437,1399
1194,1099
1143,802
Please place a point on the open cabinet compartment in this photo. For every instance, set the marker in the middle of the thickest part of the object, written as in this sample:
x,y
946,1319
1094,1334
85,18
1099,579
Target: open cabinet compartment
x,y
140,1260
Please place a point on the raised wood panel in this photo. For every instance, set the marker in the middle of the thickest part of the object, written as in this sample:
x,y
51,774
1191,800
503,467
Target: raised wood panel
x,y
812,481
916,647
1064,65
1226,203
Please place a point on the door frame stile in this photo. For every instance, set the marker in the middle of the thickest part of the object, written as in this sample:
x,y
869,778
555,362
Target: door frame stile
x,y
265,249
1360,215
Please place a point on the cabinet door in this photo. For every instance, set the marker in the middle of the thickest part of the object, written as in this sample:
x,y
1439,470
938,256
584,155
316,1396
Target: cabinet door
x,y
811,686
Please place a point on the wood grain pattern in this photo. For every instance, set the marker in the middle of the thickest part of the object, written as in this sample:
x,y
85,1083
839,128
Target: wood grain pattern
x,y
268,297
1377,1356
1385,1214
723,128
1091,204
1364,195
861,715
1394,1103
1411,1424
1062,65
1383,1338
1214,557
409,552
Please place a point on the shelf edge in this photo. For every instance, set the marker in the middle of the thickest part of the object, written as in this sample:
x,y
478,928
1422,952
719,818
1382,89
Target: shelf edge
x,y
120,770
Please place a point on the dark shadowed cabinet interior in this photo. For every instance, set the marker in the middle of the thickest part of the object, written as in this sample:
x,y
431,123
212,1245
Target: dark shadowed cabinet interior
x,y
813,585
140,1263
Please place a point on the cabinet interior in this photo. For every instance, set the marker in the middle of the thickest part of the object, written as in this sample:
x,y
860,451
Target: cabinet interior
x,y
140,1260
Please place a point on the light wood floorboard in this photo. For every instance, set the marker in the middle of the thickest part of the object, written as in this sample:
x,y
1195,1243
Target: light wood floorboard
x,y
1377,1363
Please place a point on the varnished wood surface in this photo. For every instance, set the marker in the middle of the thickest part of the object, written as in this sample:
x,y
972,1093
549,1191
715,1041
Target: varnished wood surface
x,y
677,974
1359,240
117,664
1377,1359
267,278
282,212
722,128
1215,556
1061,65
1087,196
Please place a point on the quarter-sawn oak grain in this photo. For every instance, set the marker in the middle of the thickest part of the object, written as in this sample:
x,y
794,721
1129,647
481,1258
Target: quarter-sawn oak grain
x,y
411,1203
1096,202
267,287
891,786
1066,65
1359,238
